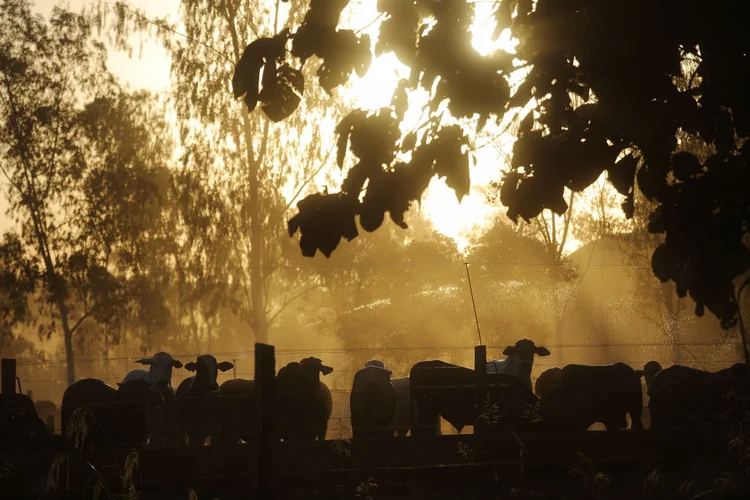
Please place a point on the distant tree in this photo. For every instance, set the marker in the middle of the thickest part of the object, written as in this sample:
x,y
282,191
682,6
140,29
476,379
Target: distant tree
x,y
85,175
628,126
241,172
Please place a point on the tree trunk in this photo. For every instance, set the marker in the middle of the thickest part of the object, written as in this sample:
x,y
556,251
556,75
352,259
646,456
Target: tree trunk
x,y
68,337
256,240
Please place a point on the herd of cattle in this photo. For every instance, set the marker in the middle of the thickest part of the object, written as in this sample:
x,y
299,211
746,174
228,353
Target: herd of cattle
x,y
145,409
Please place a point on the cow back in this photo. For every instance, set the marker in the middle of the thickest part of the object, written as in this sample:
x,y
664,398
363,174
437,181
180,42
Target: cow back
x,y
20,425
401,422
303,404
237,410
372,402
548,382
682,396
443,389
88,413
589,394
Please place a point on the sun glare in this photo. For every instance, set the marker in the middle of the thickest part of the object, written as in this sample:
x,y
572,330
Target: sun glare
x,y
463,220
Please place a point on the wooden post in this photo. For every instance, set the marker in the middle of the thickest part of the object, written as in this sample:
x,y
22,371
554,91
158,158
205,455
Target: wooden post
x,y
265,377
480,361
8,381
8,376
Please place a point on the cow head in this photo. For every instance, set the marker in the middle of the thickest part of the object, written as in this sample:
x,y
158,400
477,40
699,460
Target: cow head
x,y
522,354
649,372
207,369
374,363
160,369
316,365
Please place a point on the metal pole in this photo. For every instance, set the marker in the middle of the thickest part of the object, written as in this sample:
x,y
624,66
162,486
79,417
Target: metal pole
x,y
473,304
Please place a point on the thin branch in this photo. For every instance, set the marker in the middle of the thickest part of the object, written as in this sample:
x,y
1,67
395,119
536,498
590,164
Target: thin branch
x,y
309,179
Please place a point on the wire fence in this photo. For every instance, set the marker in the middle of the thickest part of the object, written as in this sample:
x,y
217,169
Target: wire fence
x,y
45,379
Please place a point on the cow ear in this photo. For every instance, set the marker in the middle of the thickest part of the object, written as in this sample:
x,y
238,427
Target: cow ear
x,y
224,366
541,351
509,351
326,369
191,367
177,363
145,361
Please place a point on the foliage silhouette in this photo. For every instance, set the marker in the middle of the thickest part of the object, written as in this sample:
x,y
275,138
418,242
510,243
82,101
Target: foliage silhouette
x,y
633,112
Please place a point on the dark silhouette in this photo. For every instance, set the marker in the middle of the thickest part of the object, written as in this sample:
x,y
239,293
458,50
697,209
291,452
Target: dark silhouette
x,y
303,401
200,406
90,401
373,401
458,395
578,396
680,396
237,415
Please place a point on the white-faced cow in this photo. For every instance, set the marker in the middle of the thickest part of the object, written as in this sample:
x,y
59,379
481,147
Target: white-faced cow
x,y
159,374
519,361
372,401
303,402
198,399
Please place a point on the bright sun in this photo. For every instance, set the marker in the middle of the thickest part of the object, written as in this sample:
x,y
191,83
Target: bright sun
x,y
457,220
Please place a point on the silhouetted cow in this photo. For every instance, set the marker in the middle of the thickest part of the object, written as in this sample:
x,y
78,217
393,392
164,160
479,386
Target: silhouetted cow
x,y
88,414
402,418
519,361
681,397
650,370
588,394
440,389
20,425
144,416
303,402
237,415
548,382
199,402
372,401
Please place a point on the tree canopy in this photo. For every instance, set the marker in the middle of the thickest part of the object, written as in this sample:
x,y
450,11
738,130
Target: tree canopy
x,y
84,173
596,86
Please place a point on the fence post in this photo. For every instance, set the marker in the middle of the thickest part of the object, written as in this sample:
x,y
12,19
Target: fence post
x,y
480,361
8,382
265,374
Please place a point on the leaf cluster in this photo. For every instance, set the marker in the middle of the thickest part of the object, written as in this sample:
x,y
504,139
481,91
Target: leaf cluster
x,y
594,98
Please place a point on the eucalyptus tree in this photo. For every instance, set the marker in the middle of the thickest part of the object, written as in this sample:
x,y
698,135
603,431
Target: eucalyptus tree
x,y
85,174
248,167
